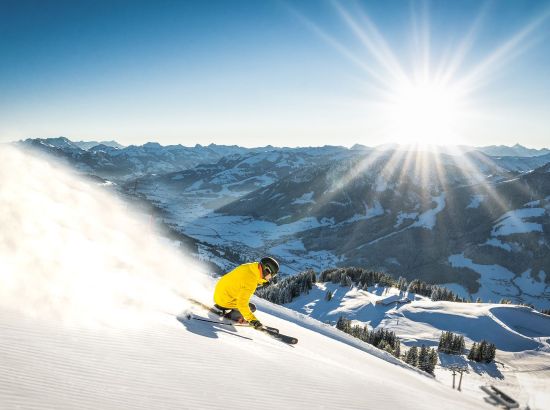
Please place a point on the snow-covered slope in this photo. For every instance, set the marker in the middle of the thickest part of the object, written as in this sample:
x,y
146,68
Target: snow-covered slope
x,y
89,304
193,365
522,335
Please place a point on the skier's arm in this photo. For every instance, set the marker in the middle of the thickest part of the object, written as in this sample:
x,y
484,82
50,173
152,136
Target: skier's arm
x,y
243,299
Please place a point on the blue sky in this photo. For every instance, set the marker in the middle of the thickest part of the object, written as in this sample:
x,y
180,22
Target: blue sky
x,y
293,73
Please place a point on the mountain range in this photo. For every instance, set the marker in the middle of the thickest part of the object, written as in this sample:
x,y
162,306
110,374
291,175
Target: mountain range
x,y
477,223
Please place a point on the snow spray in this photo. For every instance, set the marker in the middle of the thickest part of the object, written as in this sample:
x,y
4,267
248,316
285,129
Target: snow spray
x,y
71,251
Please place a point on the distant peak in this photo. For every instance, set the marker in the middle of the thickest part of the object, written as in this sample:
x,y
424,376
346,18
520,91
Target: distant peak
x,y
359,147
152,145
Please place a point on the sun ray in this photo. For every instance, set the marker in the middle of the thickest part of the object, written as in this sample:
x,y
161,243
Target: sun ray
x,y
354,171
374,42
508,50
468,168
407,165
450,70
421,36
338,46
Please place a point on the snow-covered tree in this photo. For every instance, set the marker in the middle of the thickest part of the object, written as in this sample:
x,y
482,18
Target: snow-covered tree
x,y
432,357
423,360
451,343
473,352
411,356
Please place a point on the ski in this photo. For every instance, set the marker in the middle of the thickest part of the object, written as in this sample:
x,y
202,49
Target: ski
x,y
211,309
279,336
271,331
500,397
218,322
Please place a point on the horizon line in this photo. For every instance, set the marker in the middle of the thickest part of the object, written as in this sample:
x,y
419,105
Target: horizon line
x,y
419,146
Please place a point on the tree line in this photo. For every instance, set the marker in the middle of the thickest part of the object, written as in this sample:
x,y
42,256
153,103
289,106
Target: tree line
x,y
451,343
363,279
380,338
424,358
359,277
482,352
282,291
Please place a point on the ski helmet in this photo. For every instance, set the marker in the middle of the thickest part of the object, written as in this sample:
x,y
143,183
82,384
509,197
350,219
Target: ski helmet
x,y
269,265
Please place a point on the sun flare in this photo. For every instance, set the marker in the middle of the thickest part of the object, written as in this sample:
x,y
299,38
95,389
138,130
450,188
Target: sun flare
x,y
429,99
425,113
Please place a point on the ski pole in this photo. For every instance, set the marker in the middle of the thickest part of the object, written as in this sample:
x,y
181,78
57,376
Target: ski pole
x,y
215,321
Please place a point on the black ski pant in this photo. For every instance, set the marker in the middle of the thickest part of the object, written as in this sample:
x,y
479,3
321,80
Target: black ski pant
x,y
235,314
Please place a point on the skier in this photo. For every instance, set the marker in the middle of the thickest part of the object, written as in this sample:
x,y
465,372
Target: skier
x,y
234,290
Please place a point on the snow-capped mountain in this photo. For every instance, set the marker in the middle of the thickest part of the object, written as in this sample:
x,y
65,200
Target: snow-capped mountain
x,y
449,221
113,162
206,187
522,164
470,221
86,145
515,151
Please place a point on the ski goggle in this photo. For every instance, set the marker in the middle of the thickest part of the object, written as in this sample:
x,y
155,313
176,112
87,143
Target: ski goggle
x,y
268,271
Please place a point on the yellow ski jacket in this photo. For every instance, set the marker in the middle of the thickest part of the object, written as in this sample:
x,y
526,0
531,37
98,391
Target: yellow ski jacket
x,y
235,288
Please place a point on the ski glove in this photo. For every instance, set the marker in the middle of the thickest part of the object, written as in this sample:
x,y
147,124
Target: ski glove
x,y
256,324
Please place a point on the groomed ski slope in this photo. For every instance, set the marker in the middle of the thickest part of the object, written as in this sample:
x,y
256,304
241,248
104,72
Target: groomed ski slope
x,y
195,365
89,305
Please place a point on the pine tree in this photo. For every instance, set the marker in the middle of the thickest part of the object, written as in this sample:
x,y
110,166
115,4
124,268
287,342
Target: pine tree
x,y
473,352
388,348
343,324
432,359
461,344
397,349
328,296
401,283
482,351
423,360
491,353
450,343
412,356
457,346
444,342
383,345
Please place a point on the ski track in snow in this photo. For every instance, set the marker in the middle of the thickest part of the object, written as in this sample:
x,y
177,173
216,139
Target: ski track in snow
x,y
194,365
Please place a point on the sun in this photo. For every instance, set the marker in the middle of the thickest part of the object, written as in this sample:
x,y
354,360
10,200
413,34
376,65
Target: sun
x,y
423,113
424,100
